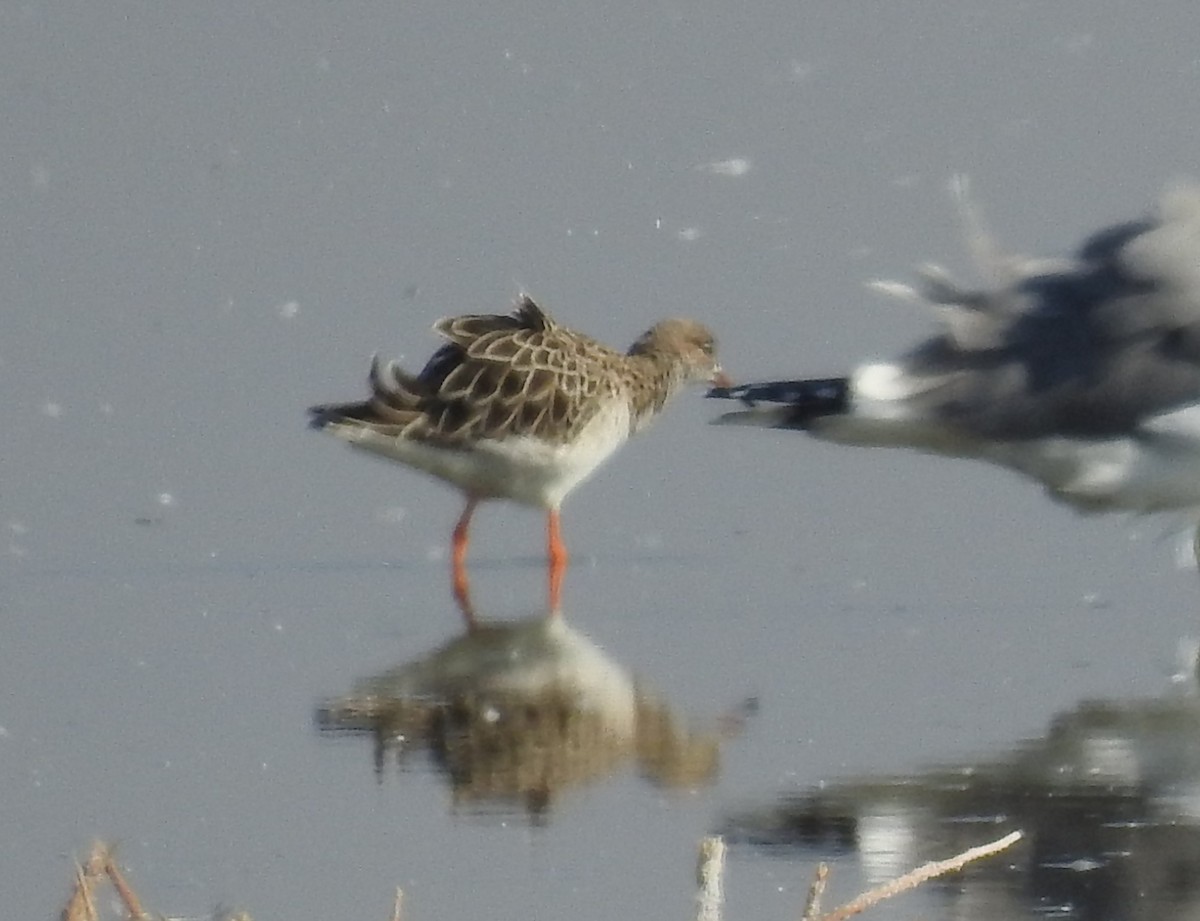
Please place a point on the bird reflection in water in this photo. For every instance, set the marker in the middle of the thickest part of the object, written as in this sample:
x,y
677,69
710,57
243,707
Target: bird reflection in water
x,y
514,713
1108,800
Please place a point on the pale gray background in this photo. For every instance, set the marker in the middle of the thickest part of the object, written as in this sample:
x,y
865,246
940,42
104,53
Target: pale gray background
x,y
213,214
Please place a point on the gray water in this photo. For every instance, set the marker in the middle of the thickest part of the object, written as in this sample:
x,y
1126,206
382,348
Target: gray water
x,y
213,215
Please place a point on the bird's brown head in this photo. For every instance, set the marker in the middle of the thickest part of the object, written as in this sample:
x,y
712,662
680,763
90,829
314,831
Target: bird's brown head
x,y
689,344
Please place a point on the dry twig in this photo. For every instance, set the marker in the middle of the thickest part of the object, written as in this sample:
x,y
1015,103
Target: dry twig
x,y
711,867
81,906
812,905
133,904
914,878
709,871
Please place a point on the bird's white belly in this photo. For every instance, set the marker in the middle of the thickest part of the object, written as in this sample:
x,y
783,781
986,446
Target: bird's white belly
x,y
534,472
518,467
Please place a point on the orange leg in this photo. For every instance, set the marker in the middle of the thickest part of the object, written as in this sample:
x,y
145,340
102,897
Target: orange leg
x,y
556,552
462,588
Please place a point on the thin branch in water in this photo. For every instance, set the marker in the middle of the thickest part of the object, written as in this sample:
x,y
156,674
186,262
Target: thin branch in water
x,y
81,906
812,905
709,871
133,904
921,874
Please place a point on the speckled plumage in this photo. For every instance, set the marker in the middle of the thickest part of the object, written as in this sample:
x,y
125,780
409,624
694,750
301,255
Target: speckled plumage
x,y
524,374
519,407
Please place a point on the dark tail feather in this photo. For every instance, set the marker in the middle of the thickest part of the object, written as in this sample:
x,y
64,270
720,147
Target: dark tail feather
x,y
803,402
321,416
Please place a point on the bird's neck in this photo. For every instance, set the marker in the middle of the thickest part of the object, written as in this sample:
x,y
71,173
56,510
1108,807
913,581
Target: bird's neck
x,y
654,381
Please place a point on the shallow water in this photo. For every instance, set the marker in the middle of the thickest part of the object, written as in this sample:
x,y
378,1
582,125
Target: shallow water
x,y
215,217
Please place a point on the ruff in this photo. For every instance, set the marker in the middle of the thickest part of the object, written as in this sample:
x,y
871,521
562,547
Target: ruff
x,y
518,407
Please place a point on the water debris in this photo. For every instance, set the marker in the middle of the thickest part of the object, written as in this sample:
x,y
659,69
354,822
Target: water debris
x,y
81,906
921,874
709,871
101,868
288,310
812,905
712,863
733,167
392,514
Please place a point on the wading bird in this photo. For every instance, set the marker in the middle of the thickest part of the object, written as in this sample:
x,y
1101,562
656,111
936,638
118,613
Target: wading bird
x,y
1082,373
518,407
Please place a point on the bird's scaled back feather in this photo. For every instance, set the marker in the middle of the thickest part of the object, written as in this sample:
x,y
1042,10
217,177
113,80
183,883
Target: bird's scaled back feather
x,y
497,376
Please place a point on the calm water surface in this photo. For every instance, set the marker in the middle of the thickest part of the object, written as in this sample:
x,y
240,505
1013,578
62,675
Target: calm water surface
x,y
229,643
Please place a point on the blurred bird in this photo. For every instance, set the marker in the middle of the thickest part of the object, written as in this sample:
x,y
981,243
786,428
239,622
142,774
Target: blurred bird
x,y
1082,373
518,407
